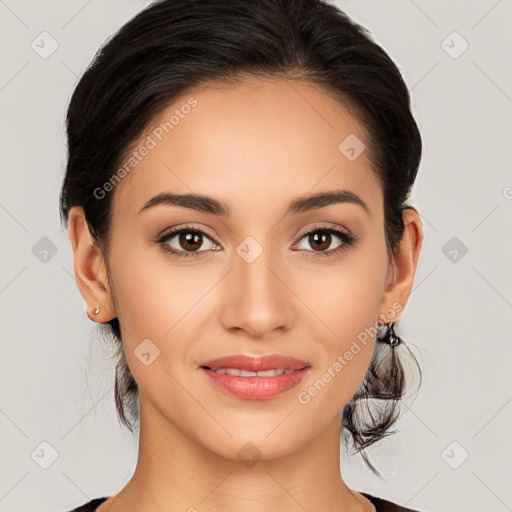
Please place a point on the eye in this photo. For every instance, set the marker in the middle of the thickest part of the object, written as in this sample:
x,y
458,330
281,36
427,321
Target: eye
x,y
185,241
321,238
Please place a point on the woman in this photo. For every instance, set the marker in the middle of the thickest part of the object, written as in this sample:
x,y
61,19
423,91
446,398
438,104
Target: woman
x,y
236,197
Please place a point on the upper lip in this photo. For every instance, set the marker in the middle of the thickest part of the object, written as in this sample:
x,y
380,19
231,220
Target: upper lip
x,y
255,363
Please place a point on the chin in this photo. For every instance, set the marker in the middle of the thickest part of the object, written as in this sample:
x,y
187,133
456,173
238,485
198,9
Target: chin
x,y
252,446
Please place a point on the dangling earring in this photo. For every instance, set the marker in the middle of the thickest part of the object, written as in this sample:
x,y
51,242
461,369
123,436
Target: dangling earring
x,y
96,311
390,336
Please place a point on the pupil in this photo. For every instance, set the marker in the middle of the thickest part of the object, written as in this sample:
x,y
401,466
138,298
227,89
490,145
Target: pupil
x,y
323,236
187,239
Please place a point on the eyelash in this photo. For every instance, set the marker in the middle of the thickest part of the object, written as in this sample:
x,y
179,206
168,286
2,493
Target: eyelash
x,y
348,239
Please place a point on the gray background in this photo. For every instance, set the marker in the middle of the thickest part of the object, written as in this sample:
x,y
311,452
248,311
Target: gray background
x,y
56,383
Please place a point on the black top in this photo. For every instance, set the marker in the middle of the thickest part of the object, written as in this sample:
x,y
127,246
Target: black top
x,y
381,505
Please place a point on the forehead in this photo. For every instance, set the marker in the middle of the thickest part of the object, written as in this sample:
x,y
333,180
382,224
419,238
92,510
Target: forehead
x,y
261,142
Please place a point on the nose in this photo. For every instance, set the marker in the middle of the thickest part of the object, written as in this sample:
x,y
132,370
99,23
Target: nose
x,y
256,299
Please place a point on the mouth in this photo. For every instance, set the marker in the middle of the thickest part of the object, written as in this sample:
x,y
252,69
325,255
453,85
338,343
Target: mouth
x,y
255,378
246,373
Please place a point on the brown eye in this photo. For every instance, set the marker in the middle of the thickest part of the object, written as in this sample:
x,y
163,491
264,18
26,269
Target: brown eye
x,y
184,242
321,239
190,241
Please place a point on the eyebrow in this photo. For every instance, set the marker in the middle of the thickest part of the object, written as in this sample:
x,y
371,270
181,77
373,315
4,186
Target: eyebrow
x,y
209,205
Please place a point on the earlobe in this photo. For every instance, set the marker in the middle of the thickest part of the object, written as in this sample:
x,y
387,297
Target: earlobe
x,y
90,269
404,263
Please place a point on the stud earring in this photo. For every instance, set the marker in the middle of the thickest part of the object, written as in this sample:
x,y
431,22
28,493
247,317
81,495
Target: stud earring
x,y
96,311
390,336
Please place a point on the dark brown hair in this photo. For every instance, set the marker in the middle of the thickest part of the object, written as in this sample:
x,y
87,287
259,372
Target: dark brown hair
x,y
174,45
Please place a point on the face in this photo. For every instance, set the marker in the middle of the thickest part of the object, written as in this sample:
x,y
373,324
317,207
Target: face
x,y
258,279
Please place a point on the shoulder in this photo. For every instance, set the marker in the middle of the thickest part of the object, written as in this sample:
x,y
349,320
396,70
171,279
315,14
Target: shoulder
x,y
90,506
382,505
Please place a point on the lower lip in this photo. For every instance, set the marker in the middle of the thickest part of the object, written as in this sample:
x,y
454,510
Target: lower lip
x,y
255,388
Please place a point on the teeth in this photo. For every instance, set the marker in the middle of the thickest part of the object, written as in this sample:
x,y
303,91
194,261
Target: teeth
x,y
246,373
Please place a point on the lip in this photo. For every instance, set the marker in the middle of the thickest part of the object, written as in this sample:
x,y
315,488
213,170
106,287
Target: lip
x,y
255,388
256,363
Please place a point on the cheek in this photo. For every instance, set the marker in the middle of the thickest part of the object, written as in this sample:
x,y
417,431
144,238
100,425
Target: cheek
x,y
345,298
158,301
154,301
152,293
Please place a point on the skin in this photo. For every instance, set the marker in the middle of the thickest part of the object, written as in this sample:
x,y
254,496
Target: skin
x,y
255,147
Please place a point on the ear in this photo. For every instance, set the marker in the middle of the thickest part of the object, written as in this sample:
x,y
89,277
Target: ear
x,y
90,268
400,277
